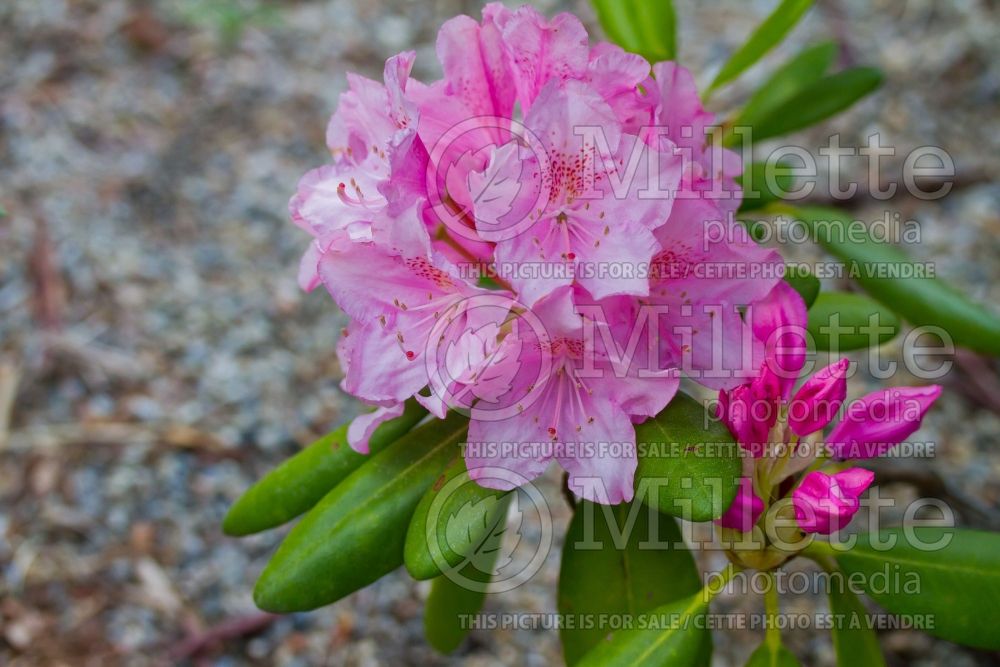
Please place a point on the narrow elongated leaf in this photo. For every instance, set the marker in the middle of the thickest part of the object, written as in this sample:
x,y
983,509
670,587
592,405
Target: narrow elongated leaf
x,y
767,35
818,101
450,607
688,462
955,584
669,635
646,27
764,184
456,521
887,274
774,655
355,534
803,282
853,640
797,74
631,546
299,483
842,321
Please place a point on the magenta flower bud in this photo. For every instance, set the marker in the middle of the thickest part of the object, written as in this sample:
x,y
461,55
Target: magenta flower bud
x,y
818,400
826,503
745,510
748,417
779,321
881,420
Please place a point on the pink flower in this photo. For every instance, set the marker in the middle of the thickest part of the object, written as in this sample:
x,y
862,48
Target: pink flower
x,y
877,422
371,138
575,411
826,503
751,410
779,322
605,215
818,400
574,221
702,330
746,509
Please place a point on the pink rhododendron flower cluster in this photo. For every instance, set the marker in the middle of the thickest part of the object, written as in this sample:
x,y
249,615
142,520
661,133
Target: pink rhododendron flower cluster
x,y
525,241
782,430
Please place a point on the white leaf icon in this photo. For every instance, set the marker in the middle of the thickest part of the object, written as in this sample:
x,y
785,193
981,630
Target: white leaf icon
x,y
494,189
476,531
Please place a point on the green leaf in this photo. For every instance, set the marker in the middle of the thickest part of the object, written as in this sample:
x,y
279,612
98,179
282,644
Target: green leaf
x,y
774,655
818,101
631,546
767,183
758,229
669,635
299,483
456,522
957,584
921,300
449,603
646,27
843,321
355,534
688,462
803,282
767,35
795,75
853,640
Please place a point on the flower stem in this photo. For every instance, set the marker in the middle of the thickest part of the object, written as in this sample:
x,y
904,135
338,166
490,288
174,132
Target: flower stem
x,y
716,586
772,609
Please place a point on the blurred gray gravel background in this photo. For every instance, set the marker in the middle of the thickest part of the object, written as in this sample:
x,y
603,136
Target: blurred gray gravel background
x,y
156,356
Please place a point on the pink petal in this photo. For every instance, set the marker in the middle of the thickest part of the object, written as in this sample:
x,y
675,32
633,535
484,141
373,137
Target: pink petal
x,y
501,445
542,50
363,426
475,63
875,423
826,503
603,467
309,268
818,400
376,368
746,509
779,321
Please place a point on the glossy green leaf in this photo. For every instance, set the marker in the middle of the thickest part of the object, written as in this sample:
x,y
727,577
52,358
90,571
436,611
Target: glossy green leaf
x,y
688,462
450,605
774,655
843,321
803,282
631,546
669,635
818,101
764,183
798,73
767,35
853,640
921,300
954,583
299,483
355,534
646,27
456,522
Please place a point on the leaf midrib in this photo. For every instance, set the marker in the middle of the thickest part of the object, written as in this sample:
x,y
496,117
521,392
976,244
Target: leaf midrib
x,y
448,440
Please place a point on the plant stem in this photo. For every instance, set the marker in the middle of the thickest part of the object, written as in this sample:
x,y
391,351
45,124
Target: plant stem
x,y
710,590
772,609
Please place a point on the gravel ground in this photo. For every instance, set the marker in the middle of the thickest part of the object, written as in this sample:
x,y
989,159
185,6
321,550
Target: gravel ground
x,y
156,356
